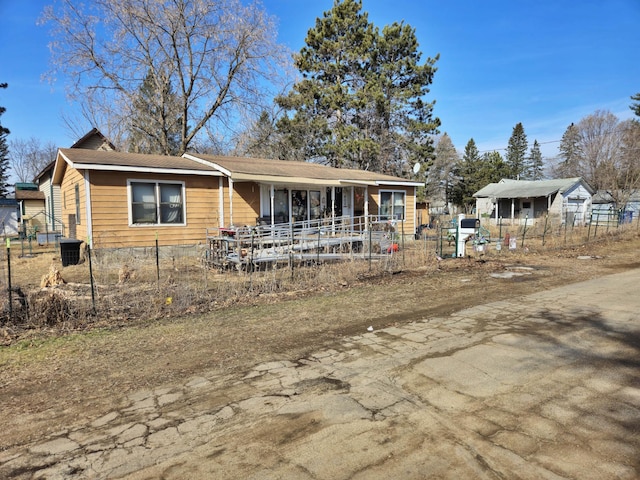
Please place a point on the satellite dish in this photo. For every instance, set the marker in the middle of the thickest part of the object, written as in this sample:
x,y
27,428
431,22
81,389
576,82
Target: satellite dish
x,y
416,168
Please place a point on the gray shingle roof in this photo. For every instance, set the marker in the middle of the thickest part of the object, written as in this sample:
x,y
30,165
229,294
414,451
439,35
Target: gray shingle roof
x,y
246,167
507,188
115,159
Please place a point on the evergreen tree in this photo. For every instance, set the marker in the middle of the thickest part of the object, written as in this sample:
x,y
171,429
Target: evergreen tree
x,y
439,181
467,179
4,154
516,153
494,168
570,153
156,123
636,106
262,140
361,102
536,163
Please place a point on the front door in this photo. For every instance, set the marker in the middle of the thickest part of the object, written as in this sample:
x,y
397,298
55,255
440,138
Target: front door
x,y
526,208
347,202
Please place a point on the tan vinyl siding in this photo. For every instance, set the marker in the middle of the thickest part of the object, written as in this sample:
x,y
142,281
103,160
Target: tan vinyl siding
x,y
246,203
110,211
73,177
33,216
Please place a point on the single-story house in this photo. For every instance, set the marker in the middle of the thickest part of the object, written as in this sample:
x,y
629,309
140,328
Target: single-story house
x,y
114,199
567,199
117,199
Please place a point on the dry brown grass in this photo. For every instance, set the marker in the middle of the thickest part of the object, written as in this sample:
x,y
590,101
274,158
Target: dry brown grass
x,y
129,287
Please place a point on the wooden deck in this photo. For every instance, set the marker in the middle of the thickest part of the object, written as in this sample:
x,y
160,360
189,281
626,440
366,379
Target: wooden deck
x,y
325,240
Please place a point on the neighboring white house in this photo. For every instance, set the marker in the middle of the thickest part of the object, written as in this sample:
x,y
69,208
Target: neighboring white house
x,y
566,199
10,217
605,208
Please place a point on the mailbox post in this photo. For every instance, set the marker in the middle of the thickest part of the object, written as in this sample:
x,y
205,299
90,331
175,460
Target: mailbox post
x,y
466,228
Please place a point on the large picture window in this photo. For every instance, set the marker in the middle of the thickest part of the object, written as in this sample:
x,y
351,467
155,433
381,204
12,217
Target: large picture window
x,y
392,205
157,203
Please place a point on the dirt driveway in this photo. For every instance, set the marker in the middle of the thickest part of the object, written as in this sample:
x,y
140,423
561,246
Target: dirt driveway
x,y
300,388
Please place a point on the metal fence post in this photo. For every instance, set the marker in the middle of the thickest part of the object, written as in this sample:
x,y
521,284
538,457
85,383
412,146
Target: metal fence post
x,y
93,288
9,278
370,245
157,261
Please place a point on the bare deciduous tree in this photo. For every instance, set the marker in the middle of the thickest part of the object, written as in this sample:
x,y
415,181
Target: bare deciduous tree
x,y
219,58
606,153
29,157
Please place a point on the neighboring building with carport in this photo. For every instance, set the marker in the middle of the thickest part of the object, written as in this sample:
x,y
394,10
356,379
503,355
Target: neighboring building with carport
x,y
606,209
565,199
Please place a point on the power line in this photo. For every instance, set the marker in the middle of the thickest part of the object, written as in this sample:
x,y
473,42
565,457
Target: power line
x,y
616,130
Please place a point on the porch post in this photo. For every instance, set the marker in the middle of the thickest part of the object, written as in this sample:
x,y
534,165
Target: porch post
x,y
221,201
513,209
333,208
497,207
272,195
230,201
366,205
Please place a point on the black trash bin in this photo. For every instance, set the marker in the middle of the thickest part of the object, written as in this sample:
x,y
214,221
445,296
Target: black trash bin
x,y
70,251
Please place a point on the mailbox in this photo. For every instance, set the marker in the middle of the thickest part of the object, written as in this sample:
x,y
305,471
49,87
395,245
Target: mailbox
x,y
466,228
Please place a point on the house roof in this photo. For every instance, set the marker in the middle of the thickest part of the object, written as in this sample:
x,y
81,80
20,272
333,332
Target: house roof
x,y
88,141
47,169
29,195
8,202
102,160
289,172
507,188
603,196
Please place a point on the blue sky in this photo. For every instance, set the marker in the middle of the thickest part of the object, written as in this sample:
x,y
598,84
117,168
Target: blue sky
x,y
545,63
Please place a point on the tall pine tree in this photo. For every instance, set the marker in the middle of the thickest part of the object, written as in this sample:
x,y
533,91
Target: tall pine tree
x,y
535,163
156,123
516,157
570,153
361,101
467,179
4,154
439,181
635,107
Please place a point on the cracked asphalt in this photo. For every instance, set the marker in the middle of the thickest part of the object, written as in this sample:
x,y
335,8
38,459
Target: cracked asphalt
x,y
544,386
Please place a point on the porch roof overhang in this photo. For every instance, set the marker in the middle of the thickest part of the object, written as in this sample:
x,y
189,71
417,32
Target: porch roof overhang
x,y
281,180
321,182
281,172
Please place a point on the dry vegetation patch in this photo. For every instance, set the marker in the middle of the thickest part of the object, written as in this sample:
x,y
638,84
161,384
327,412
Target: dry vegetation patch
x,y
150,333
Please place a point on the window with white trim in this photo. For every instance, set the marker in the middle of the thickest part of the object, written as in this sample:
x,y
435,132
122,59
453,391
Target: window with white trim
x,y
156,203
392,204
